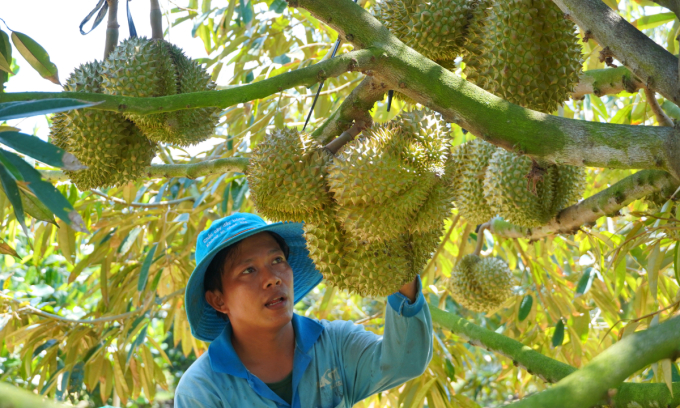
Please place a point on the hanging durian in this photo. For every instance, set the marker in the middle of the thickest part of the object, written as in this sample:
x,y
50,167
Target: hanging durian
x,y
286,176
142,67
111,146
470,198
526,52
480,284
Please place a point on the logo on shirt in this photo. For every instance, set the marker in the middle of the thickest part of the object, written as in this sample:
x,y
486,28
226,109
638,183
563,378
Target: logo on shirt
x,y
330,378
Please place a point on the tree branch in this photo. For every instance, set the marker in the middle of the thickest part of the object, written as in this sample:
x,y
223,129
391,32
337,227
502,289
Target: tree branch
x,y
546,368
15,397
156,20
355,107
111,28
607,202
551,138
599,379
661,116
141,205
352,61
346,136
656,67
608,81
672,5
188,170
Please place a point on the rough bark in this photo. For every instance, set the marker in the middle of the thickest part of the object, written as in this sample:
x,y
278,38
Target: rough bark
x,y
609,81
656,67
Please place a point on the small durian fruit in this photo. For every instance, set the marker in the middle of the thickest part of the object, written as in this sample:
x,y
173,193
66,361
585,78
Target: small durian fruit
x,y
480,284
111,146
287,174
526,52
142,67
471,201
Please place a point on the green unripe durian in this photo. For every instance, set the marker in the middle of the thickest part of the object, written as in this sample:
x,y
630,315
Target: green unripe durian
x,y
471,201
480,284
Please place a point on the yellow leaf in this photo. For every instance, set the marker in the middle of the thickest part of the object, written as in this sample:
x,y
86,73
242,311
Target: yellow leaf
x,y
66,238
667,374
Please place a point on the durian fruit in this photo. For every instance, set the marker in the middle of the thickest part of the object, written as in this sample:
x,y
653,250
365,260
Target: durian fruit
x,y
287,174
526,199
480,284
526,52
470,197
382,179
112,147
142,67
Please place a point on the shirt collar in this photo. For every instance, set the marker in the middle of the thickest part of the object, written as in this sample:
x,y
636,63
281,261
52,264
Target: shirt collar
x,y
223,357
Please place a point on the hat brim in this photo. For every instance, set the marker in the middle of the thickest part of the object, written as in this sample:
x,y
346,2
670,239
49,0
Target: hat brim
x,y
205,324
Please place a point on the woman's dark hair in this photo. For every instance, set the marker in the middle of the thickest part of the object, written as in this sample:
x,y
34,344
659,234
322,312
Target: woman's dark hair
x,y
212,281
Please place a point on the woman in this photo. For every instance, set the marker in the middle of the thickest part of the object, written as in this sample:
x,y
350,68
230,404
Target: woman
x,y
240,297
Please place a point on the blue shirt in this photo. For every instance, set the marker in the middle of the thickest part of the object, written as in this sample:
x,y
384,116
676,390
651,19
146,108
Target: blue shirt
x,y
336,363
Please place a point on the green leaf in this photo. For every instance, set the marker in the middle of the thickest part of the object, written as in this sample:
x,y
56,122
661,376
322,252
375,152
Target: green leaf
x,y
278,6
6,51
450,369
36,56
585,282
12,193
24,109
138,342
558,336
676,262
653,262
671,109
129,240
654,20
144,273
525,307
40,150
245,11
36,209
238,193
620,271
46,192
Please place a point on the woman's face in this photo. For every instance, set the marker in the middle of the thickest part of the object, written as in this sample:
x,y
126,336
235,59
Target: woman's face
x,y
257,285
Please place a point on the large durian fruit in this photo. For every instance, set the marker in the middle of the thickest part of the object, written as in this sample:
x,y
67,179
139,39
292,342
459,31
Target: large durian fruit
x,y
480,284
142,67
526,52
374,212
112,147
474,159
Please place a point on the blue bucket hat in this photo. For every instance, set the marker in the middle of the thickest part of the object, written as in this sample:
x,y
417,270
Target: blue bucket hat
x,y
205,324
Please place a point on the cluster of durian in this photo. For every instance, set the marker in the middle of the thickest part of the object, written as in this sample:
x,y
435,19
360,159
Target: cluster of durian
x,y
374,211
524,51
495,182
117,147
480,284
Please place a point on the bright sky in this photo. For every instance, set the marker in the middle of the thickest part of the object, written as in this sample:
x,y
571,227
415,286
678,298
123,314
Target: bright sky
x,y
54,25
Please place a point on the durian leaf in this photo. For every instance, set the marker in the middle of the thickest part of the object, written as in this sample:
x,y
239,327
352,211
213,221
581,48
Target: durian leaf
x,y
654,20
6,51
245,11
5,249
35,208
36,55
144,273
9,186
558,336
5,128
40,150
525,307
676,262
15,110
585,282
278,6
238,193
46,192
138,342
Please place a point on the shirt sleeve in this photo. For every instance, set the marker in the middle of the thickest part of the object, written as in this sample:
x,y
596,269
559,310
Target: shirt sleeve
x,y
185,401
197,391
373,363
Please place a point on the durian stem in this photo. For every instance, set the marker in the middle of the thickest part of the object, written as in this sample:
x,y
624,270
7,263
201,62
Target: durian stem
x,y
189,170
351,61
657,67
661,116
346,137
156,20
355,107
111,28
480,238
546,368
608,81
607,202
141,205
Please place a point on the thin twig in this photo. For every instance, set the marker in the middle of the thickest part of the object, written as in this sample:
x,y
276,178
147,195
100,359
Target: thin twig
x,y
480,238
142,205
661,116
